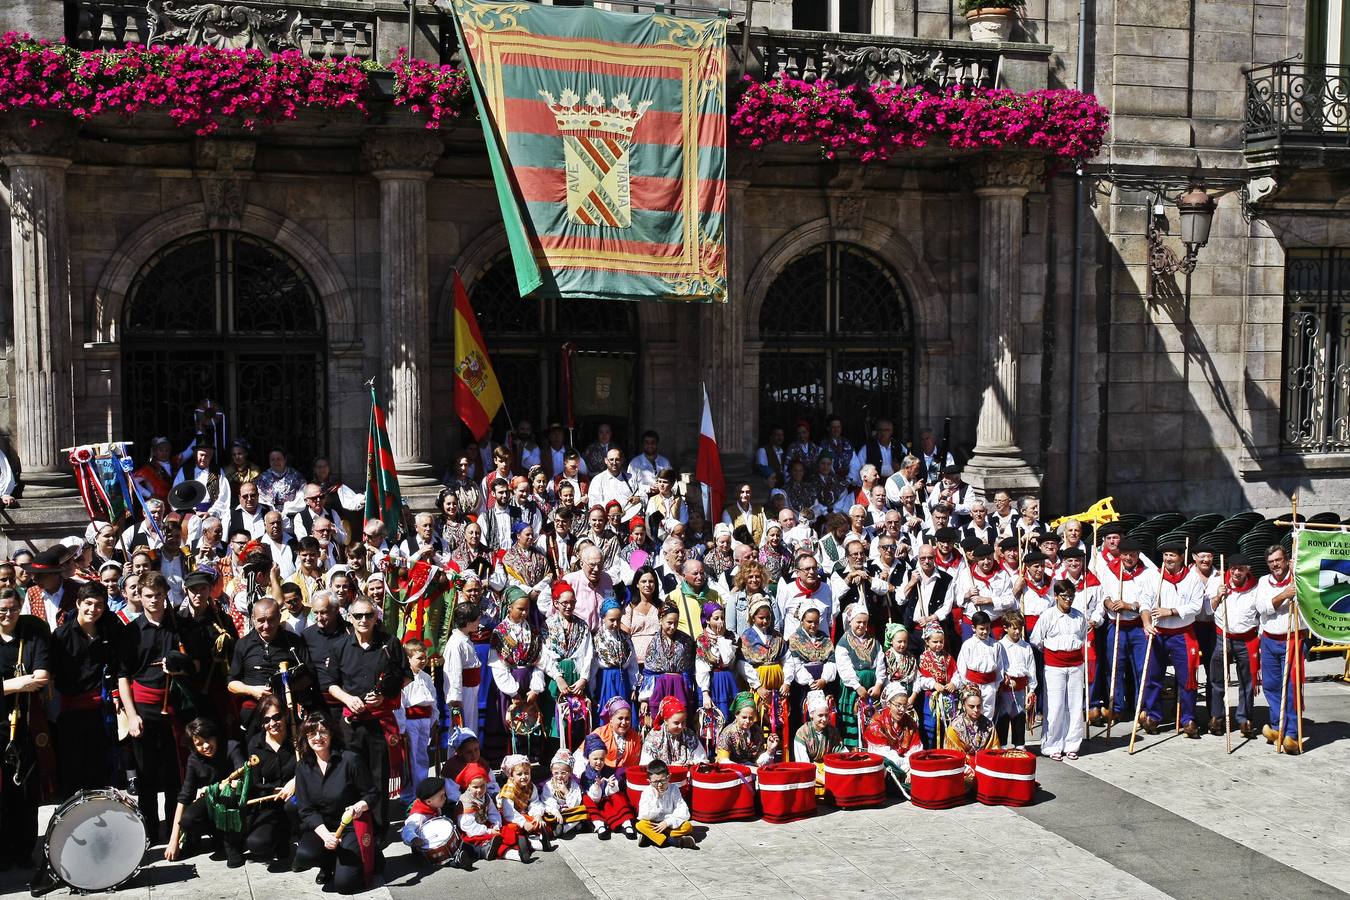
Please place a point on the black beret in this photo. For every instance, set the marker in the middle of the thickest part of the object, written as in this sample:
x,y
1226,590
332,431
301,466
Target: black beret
x,y
983,551
948,535
1008,543
1178,547
1034,557
1109,529
1131,545
1073,553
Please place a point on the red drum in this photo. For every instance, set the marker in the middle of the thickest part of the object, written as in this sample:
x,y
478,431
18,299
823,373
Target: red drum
x,y
636,779
1005,777
937,779
855,780
722,792
787,791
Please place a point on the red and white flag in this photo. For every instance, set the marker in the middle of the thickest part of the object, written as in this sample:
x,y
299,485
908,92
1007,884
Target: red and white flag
x,y
709,468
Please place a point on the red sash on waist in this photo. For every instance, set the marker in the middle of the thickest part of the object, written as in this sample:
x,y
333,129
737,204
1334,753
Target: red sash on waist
x,y
1185,629
142,694
1019,683
1302,635
88,702
417,712
383,714
1241,637
1129,623
473,677
1031,624
980,677
1063,659
1192,652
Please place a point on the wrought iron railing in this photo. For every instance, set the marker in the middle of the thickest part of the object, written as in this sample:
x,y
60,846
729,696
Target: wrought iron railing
x,y
1298,102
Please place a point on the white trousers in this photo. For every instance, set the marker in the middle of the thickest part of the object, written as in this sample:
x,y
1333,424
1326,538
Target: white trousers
x,y
1062,730
471,710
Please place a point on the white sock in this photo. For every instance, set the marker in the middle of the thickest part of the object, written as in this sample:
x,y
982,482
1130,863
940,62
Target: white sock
x,y
513,854
600,828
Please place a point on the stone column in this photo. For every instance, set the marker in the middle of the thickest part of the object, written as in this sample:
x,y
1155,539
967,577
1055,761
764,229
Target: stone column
x,y
37,159
402,161
1001,182
723,346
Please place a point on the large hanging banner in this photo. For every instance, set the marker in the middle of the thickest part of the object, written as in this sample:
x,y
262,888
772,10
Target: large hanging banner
x,y
607,138
1322,575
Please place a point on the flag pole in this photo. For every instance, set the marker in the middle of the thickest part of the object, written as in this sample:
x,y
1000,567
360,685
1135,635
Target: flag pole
x,y
1296,630
1227,719
1288,643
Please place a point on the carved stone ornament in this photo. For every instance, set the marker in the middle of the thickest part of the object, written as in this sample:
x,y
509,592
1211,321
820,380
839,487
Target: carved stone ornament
x,y
871,65
225,166
1008,170
401,150
53,137
846,215
227,26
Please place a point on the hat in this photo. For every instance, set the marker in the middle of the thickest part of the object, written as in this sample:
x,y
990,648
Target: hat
x,y
518,526
1177,547
1009,543
109,564
469,774
1052,536
1034,557
892,688
155,442
186,494
816,702
46,562
559,588
670,706
970,543
1237,559
593,743
1131,545
855,610
614,705
948,535
1073,553
511,760
74,542
461,737
984,551
951,470
200,578
743,700
562,758
1203,547
1109,529
429,787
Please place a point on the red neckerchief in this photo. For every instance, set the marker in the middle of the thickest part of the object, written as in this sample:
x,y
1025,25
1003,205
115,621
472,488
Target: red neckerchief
x,y
1288,575
943,564
1088,580
1041,589
1119,571
1228,583
801,587
1177,578
983,579
420,808
1108,557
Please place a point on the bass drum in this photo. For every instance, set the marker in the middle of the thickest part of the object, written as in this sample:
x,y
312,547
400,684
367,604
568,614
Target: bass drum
x,y
96,840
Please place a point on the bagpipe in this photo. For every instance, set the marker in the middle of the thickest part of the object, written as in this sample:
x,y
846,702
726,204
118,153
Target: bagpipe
x,y
226,799
19,757
710,724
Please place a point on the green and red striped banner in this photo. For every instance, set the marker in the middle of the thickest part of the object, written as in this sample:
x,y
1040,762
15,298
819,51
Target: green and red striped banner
x,y
383,500
607,137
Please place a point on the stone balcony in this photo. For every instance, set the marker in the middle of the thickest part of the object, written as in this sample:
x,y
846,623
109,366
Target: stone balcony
x,y
1296,131
375,29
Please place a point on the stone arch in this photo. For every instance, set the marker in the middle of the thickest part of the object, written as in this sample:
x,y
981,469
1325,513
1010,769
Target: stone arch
x,y
931,317
127,260
475,259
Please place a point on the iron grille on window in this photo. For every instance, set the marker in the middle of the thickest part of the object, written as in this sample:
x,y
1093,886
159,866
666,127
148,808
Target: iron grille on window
x,y
525,338
838,337
226,316
1316,389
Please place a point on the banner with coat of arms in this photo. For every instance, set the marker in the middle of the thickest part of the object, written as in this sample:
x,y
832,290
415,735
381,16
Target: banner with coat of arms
x,y
607,137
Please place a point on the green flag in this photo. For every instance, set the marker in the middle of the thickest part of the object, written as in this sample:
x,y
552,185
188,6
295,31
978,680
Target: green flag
x,y
383,500
1322,575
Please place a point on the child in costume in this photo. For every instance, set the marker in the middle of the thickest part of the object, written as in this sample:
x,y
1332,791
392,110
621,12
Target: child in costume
x,y
936,683
417,706
562,796
519,801
432,836
603,796
481,824
1017,694
663,816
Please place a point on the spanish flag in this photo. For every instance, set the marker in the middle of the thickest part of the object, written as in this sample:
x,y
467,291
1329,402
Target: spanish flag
x,y
478,396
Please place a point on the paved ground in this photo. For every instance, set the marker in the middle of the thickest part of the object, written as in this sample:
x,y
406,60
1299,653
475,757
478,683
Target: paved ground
x,y
1178,818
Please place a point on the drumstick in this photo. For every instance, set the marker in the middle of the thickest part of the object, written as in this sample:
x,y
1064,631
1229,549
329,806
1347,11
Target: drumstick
x,y
342,826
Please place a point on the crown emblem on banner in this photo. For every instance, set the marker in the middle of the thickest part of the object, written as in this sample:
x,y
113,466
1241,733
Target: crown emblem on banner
x,y
594,117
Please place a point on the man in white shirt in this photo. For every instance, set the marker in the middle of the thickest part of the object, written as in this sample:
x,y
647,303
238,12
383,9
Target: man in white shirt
x,y
643,469
1233,599
274,539
986,587
247,516
203,468
1281,641
615,484
881,451
805,591
302,523
1169,618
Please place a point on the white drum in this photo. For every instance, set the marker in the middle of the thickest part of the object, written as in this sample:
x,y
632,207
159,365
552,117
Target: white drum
x,y
442,839
96,840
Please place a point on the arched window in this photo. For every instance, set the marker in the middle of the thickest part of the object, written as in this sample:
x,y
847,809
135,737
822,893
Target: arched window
x,y
838,336
525,338
226,316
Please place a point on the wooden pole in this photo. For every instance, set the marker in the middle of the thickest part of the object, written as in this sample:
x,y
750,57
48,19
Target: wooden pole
x,y
1143,683
1284,669
1185,560
1227,720
1115,652
1295,630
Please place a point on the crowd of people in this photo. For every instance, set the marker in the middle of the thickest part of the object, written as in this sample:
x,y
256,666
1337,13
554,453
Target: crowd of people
x,y
271,676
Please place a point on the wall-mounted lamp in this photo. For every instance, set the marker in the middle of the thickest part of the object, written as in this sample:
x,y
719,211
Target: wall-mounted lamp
x,y
1197,214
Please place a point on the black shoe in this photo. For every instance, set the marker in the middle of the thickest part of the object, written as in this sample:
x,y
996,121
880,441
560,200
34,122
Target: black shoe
x,y
546,842
603,835
463,859
523,847
234,859
630,832
494,846
43,883
644,841
323,877
297,864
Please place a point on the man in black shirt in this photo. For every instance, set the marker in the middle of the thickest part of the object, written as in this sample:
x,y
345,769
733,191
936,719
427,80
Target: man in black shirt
x,y
150,659
367,675
84,671
209,637
258,656
24,666
321,640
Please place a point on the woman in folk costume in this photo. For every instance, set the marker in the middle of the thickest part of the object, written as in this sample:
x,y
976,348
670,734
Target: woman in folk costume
x,y
816,738
449,523
523,565
614,672
901,666
561,794
762,665
471,554
602,791
623,745
668,670
742,741
861,660
809,666
714,663
893,734
719,560
514,662
671,740
775,555
639,550
936,680
480,822
567,661
972,731
520,803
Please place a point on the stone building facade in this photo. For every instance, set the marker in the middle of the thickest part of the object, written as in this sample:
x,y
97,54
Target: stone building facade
x,y
1051,315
